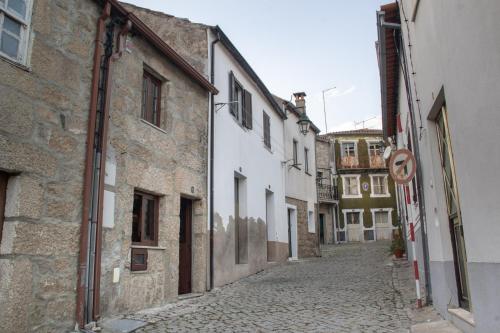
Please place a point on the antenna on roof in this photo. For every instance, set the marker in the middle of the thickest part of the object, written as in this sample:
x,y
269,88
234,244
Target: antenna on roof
x,y
363,122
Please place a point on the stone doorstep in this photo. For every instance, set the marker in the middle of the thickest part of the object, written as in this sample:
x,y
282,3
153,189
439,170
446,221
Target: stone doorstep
x,y
189,296
463,319
440,326
121,325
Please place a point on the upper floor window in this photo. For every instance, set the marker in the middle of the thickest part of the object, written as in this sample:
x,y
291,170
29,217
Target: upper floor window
x,y
351,187
379,186
306,160
15,20
376,158
349,155
151,99
240,102
295,153
267,129
348,149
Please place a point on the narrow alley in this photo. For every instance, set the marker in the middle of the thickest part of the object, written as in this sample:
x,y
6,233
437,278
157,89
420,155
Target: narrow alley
x,y
353,288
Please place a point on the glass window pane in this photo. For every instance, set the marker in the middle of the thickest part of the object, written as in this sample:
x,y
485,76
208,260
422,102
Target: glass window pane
x,y
19,6
12,26
369,235
9,45
149,220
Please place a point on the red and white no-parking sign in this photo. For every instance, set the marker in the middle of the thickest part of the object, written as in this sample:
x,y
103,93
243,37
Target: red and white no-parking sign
x,y
402,166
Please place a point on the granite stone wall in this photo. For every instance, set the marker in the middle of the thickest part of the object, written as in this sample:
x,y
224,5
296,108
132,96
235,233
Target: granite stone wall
x,y
43,124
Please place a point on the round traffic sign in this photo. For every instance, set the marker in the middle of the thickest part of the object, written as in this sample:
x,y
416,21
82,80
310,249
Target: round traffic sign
x,y
402,166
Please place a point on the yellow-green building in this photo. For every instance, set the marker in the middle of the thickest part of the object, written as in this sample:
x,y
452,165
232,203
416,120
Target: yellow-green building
x,y
366,192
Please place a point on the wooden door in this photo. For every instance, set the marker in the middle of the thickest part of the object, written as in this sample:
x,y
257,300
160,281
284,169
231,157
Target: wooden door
x,y
3,190
289,233
185,246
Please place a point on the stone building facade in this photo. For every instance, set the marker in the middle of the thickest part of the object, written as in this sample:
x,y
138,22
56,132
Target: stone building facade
x,y
157,154
367,200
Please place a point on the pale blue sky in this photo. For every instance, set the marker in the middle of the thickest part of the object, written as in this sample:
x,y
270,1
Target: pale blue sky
x,y
302,46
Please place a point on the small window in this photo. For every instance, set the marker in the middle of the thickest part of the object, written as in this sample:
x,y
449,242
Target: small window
x,y
374,149
295,157
348,149
145,219
306,160
352,217
319,177
15,21
240,102
379,185
351,186
311,227
267,129
139,259
151,99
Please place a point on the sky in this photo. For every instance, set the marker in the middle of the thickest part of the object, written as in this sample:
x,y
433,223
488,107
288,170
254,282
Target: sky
x,y
305,46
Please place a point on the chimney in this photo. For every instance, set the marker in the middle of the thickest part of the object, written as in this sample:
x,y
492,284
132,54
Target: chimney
x,y
300,101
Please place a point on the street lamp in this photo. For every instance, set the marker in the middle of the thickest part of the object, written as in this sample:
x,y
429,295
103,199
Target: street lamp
x,y
324,105
304,123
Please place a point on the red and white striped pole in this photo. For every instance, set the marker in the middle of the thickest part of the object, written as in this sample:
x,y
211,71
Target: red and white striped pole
x,y
409,209
413,248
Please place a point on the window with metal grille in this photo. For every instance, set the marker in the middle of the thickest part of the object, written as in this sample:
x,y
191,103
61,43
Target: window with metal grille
x,y
151,99
145,219
267,129
15,20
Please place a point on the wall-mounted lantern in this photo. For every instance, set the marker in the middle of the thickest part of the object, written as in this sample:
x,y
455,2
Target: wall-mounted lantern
x,y
304,123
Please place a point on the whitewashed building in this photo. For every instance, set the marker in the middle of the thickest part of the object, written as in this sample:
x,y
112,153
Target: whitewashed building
x,y
249,222
440,99
301,191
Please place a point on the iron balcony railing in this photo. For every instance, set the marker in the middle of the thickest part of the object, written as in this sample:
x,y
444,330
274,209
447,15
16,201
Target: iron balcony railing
x,y
328,192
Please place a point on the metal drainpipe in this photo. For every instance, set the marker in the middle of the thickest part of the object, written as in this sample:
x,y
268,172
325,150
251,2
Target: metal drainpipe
x,y
82,278
212,130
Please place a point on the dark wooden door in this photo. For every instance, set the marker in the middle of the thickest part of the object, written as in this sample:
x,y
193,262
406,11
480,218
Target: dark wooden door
x,y
322,228
185,246
289,233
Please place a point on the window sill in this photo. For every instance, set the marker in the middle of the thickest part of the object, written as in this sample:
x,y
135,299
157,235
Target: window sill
x,y
138,272
268,149
388,195
359,196
149,247
15,63
153,125
463,315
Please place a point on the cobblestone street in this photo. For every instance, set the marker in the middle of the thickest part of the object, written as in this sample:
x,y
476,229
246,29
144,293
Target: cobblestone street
x,y
352,288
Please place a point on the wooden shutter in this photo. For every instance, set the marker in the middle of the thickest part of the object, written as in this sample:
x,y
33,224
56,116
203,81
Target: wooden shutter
x,y
233,107
267,130
247,119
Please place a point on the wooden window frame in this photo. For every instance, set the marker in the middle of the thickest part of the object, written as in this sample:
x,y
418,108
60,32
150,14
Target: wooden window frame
x,y
354,148
154,241
242,109
138,267
25,22
156,82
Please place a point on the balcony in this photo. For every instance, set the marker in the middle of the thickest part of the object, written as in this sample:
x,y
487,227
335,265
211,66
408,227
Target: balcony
x,y
328,193
377,161
348,162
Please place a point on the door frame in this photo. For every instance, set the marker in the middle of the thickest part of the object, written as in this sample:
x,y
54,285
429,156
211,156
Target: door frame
x,y
292,210
358,210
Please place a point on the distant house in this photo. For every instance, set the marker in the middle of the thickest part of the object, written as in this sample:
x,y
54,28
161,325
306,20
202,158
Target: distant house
x,y
366,192
300,175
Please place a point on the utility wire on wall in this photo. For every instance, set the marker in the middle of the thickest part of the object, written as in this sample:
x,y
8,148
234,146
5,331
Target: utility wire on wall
x,y
412,69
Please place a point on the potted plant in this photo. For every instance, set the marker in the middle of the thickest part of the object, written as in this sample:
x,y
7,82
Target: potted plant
x,y
398,247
